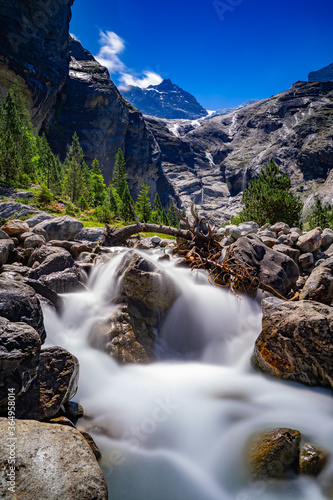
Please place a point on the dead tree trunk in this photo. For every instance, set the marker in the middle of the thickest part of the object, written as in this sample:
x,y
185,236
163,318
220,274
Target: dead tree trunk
x,y
114,236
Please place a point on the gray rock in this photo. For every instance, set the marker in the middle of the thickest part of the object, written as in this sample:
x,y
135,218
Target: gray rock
x,y
309,242
55,384
53,462
51,260
34,241
326,238
141,280
38,218
19,358
306,260
66,281
322,75
18,302
269,242
293,253
156,240
233,231
248,228
272,268
6,246
267,234
280,227
294,236
319,286
285,240
10,208
77,248
23,195
3,235
291,328
94,234
60,228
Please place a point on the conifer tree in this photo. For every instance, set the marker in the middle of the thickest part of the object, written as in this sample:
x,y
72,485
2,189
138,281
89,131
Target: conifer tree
x,y
143,205
126,202
114,201
159,214
49,167
119,174
97,185
172,216
76,179
269,199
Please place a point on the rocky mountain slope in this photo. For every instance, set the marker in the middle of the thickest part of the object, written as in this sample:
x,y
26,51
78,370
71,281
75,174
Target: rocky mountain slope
x,y
212,163
226,111
322,75
165,100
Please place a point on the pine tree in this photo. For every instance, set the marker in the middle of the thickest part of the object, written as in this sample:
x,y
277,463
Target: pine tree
x,y
269,199
114,201
49,167
126,202
76,179
10,160
143,205
97,185
119,175
18,97
159,214
172,216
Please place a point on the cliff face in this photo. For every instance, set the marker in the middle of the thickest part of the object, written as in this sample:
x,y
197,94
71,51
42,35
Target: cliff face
x,y
212,163
66,90
91,105
34,50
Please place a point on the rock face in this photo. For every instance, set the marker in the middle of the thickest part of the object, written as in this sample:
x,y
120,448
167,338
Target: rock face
x,y
165,100
19,358
312,459
296,342
52,461
322,75
59,228
91,105
34,49
212,162
56,383
319,286
273,453
272,268
18,302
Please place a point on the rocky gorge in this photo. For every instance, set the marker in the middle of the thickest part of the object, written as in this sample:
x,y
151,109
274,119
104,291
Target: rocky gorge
x,y
41,259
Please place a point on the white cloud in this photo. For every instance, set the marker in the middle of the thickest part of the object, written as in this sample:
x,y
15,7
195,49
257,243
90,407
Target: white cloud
x,y
112,46
149,78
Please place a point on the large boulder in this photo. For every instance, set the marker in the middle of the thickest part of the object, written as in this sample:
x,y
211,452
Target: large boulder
x,y
8,209
18,302
15,227
66,281
6,246
310,242
146,283
55,384
296,342
19,358
59,228
39,217
50,260
273,453
319,286
272,268
94,234
52,462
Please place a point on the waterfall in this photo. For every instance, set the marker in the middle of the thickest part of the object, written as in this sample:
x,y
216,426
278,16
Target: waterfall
x,y
176,429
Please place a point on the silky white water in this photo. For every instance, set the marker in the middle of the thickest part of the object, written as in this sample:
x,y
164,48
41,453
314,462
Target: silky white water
x,y
176,429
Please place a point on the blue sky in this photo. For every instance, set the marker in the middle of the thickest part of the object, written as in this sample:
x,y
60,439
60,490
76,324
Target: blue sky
x,y
224,52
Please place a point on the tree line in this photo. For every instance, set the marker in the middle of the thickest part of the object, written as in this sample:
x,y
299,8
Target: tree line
x,y
26,158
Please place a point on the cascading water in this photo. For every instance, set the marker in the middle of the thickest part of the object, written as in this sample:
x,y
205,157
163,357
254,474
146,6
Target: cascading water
x,y
176,429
